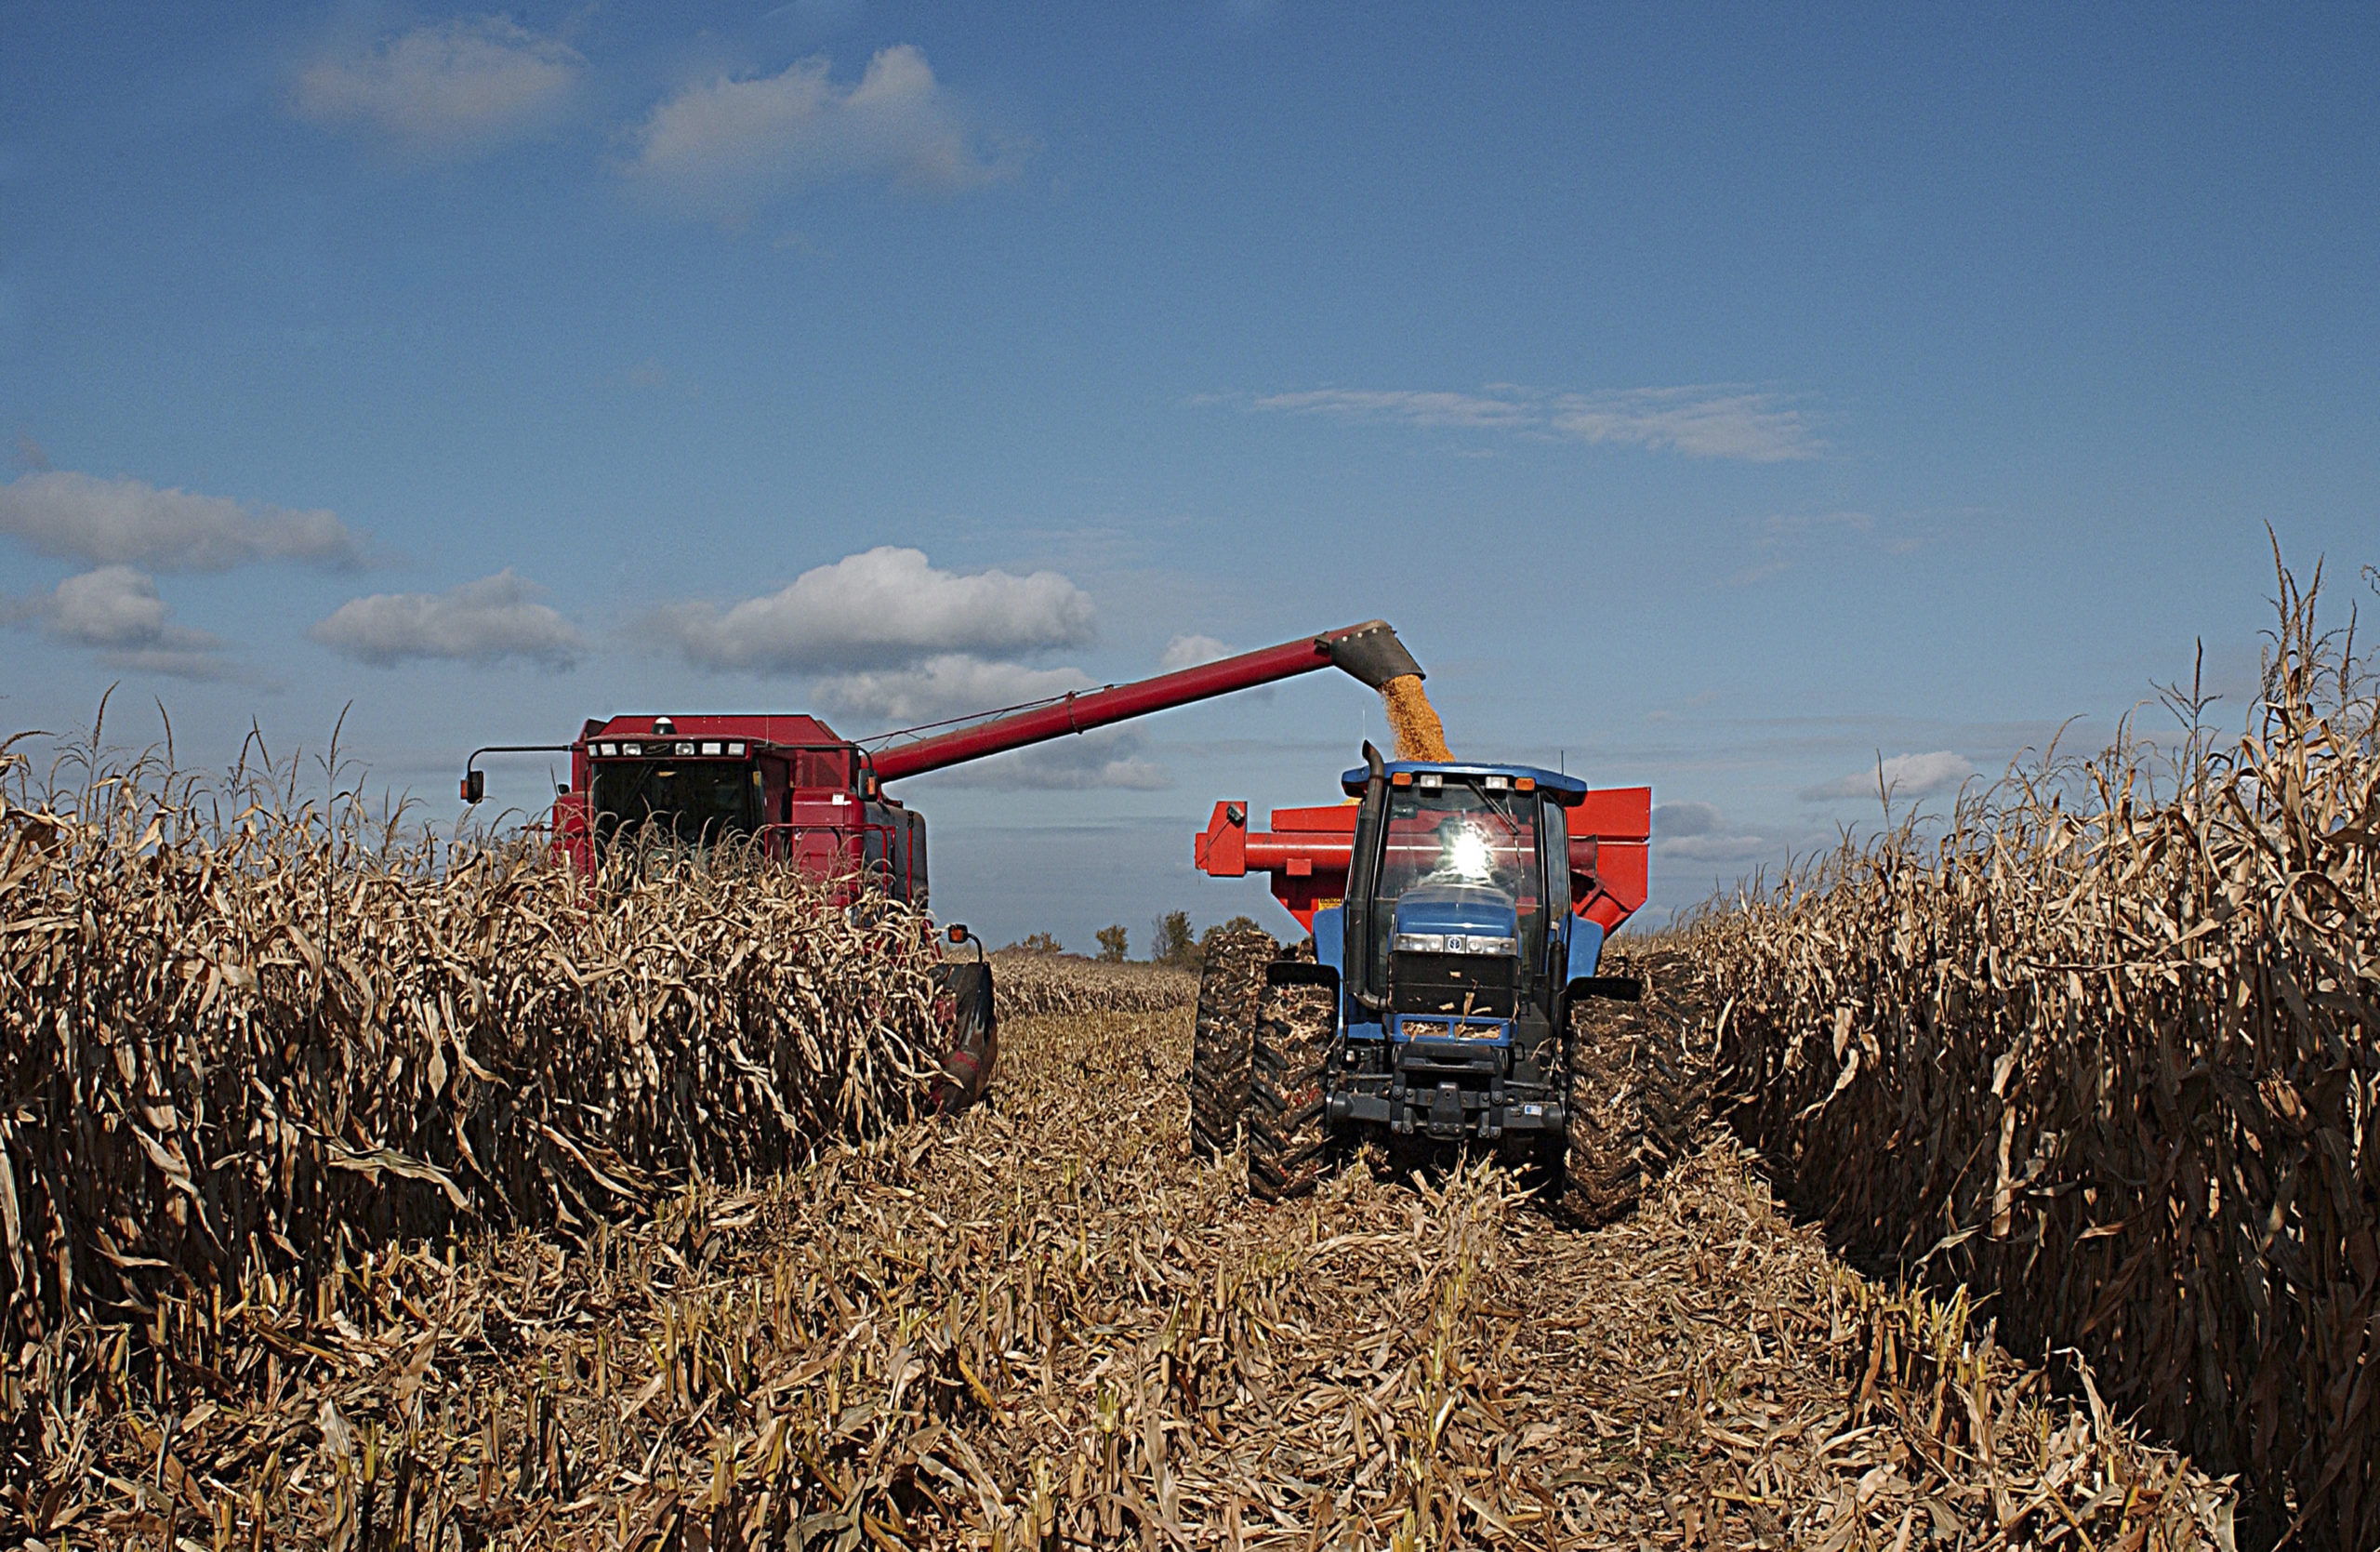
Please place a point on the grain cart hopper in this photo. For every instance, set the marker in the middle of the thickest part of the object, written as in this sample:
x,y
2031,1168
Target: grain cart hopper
x,y
1458,913
796,792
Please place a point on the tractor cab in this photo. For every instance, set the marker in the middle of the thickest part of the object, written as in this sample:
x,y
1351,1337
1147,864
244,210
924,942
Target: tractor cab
x,y
1454,942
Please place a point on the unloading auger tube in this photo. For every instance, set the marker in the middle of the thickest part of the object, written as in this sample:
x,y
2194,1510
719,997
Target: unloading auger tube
x,y
1369,652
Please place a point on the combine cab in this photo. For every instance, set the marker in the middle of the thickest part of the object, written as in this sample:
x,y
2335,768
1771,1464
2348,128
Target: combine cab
x,y
796,792
1459,913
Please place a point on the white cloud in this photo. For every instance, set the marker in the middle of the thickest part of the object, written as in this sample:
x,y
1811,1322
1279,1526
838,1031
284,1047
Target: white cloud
x,y
116,611
1719,421
1188,652
1699,832
726,146
447,89
1107,757
1678,820
948,684
885,608
1700,422
482,622
1719,848
127,522
1903,776
1414,407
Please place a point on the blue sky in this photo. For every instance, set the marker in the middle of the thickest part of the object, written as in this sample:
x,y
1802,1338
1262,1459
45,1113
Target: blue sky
x,y
1713,397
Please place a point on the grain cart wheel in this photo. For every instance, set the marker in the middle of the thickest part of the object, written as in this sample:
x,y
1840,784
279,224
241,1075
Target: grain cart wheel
x,y
1229,985
1289,1140
969,1027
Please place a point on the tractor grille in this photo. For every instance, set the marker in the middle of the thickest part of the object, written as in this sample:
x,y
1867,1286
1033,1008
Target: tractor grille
x,y
1481,985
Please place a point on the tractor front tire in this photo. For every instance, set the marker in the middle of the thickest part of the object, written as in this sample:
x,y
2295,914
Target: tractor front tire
x,y
1230,985
1632,1113
1601,1170
1288,1139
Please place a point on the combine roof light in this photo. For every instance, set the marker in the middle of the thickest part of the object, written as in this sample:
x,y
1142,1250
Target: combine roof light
x,y
1433,780
631,751
1524,784
710,748
685,748
1497,783
607,749
735,748
1400,778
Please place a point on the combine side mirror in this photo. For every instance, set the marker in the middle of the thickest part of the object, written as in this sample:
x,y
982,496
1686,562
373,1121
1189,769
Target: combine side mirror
x,y
474,785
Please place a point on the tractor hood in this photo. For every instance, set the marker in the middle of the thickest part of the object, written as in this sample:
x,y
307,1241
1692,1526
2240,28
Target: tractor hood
x,y
1457,918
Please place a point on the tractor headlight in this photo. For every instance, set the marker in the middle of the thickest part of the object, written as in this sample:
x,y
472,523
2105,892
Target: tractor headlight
x,y
1453,943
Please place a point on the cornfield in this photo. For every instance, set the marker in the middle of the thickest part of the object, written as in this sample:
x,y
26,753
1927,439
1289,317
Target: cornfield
x,y
1025,984
2105,1049
1045,1324
249,1039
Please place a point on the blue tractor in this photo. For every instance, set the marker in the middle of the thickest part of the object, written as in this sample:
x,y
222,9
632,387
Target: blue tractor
x,y
1447,1001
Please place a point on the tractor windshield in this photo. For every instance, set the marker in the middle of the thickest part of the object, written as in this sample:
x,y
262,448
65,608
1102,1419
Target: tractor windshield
x,y
695,803
1459,833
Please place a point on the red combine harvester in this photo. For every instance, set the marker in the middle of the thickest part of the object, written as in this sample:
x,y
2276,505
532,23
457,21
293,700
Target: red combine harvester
x,y
797,792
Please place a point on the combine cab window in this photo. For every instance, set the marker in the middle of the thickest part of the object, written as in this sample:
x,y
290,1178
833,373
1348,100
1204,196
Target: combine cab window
x,y
694,801
1459,834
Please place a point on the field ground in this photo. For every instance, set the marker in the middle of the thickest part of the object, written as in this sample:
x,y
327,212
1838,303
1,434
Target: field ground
x,y
1046,1325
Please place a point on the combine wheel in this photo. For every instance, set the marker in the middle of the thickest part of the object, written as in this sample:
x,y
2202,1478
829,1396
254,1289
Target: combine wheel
x,y
1289,1142
963,1012
1229,987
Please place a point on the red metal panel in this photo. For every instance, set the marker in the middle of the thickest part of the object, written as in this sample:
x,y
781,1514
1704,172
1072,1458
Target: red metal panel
x,y
1320,853
752,728
1626,871
1615,813
1337,818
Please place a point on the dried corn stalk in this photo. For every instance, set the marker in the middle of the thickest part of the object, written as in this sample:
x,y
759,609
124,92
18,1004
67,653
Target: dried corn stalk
x,y
243,1035
2118,1063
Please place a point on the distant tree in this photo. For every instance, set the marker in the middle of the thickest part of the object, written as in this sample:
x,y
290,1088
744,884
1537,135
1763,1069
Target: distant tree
x,y
1173,944
1036,943
1237,924
1111,945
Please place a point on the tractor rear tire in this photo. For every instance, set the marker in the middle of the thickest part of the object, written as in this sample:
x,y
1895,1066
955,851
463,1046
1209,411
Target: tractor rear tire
x,y
1229,987
1289,1137
964,1012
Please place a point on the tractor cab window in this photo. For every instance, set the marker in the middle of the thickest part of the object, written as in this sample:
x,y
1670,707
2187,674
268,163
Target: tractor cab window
x,y
693,802
1461,835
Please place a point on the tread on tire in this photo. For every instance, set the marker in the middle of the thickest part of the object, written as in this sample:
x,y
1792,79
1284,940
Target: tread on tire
x,y
1222,1039
1289,1140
